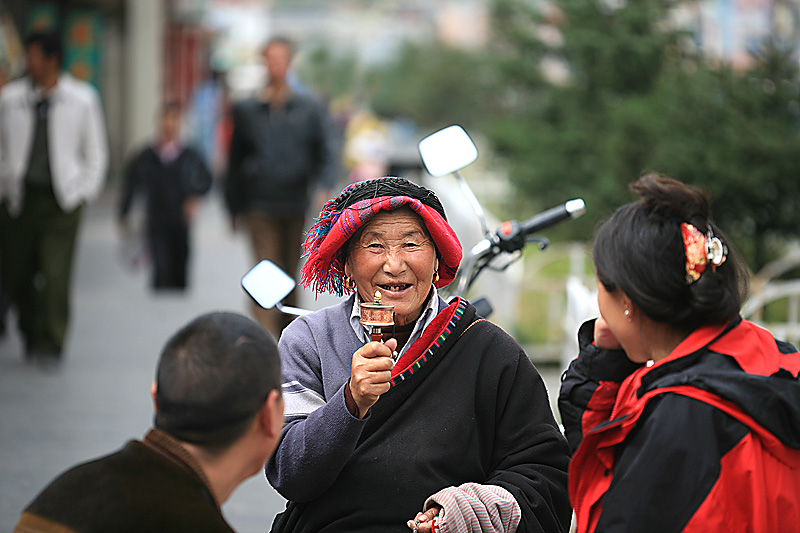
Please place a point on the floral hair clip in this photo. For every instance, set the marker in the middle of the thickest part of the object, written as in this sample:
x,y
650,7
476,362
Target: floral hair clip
x,y
701,249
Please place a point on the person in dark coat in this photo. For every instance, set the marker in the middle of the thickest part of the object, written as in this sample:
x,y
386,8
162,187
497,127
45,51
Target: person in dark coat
x,y
446,426
282,150
172,177
218,417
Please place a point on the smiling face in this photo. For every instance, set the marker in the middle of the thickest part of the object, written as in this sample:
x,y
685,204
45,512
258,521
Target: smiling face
x,y
394,254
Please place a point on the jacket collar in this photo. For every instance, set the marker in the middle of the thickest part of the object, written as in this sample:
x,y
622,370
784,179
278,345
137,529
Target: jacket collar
x,y
739,362
699,339
34,93
171,448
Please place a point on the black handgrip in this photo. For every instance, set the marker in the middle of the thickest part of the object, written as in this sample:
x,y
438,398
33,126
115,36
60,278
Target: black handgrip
x,y
545,219
511,236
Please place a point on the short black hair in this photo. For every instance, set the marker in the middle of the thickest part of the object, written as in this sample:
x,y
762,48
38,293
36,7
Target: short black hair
x,y
640,250
49,42
212,378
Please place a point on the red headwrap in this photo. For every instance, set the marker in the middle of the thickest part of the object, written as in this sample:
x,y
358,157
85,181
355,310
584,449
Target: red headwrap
x,y
324,269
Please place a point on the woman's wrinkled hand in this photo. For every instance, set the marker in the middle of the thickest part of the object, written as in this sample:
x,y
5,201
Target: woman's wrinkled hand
x,y
603,338
423,522
370,373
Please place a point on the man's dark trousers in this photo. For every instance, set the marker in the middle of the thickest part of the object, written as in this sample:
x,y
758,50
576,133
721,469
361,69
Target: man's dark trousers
x,y
37,257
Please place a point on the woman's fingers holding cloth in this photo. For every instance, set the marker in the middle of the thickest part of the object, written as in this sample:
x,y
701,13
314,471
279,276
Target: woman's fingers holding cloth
x,y
423,522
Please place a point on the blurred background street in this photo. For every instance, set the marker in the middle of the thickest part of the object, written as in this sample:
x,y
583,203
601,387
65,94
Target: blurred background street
x,y
52,418
564,99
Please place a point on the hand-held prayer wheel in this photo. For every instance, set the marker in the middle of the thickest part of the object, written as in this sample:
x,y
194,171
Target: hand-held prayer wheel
x,y
377,316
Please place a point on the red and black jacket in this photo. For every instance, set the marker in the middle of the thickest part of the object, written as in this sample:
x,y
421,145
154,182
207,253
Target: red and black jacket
x,y
707,439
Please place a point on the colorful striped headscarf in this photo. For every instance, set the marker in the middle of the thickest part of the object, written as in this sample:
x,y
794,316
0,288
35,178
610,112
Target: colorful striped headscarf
x,y
341,217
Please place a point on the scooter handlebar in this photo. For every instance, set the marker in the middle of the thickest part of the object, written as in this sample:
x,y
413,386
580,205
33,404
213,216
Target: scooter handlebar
x,y
511,235
545,219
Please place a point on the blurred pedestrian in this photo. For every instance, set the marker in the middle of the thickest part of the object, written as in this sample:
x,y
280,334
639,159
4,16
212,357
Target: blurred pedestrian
x,y
207,111
5,301
281,149
682,416
218,416
172,177
53,159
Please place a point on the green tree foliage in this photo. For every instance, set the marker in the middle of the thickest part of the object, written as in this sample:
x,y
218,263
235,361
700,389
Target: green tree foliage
x,y
636,98
573,139
330,75
635,101
431,84
740,140
434,85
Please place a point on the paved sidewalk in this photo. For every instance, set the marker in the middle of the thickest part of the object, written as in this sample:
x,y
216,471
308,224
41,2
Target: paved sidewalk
x,y
100,397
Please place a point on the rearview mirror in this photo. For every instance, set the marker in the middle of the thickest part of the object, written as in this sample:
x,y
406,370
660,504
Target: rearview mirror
x,y
447,151
267,284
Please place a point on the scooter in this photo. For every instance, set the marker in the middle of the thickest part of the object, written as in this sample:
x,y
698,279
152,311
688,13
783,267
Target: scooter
x,y
446,151
449,150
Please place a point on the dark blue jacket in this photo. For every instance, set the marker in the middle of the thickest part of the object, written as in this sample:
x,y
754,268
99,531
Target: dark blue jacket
x,y
277,154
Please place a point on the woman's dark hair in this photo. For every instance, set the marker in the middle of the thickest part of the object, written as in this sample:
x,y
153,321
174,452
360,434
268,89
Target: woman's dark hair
x,y
640,250
388,186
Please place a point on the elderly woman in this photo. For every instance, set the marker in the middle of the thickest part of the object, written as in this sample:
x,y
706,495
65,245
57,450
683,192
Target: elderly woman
x,y
445,426
685,417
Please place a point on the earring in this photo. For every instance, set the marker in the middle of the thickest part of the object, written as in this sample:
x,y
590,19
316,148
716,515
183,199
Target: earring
x,y
436,276
627,314
349,283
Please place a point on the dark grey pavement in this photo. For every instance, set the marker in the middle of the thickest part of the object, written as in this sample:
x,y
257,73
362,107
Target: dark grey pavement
x,y
99,398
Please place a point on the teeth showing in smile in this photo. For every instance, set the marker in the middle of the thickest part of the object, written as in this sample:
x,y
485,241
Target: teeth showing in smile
x,y
393,287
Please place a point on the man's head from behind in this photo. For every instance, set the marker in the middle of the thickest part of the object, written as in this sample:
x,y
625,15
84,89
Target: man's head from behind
x,y
215,377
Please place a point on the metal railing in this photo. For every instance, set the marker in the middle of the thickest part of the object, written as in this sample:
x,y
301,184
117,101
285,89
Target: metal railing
x,y
767,290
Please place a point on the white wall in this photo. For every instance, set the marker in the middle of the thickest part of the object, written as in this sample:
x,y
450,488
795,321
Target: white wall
x,y
145,23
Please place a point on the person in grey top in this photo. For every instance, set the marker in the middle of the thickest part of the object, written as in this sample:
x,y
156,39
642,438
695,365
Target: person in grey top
x,y
442,423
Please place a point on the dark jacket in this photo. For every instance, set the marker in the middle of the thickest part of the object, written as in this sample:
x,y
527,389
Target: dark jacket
x,y
166,185
465,405
152,486
277,155
707,439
